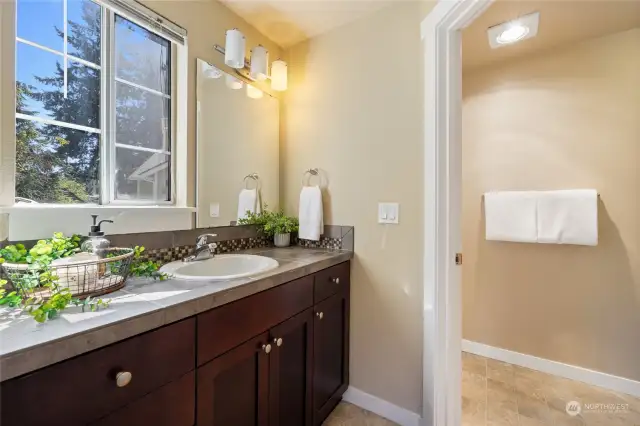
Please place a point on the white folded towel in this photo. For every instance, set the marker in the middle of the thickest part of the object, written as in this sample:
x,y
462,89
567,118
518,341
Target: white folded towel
x,y
510,216
248,200
568,217
310,213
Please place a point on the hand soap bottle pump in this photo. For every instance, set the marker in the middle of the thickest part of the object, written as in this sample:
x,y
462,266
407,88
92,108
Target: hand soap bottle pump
x,y
96,243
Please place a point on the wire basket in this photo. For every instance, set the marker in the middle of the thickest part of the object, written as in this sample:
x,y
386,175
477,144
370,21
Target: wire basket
x,y
83,278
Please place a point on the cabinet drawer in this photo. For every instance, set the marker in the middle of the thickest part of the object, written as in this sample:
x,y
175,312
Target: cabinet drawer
x,y
84,389
171,405
330,281
224,328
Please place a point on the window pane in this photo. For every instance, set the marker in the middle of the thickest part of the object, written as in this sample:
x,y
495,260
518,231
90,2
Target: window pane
x,y
83,32
40,80
142,118
142,57
55,164
41,21
142,175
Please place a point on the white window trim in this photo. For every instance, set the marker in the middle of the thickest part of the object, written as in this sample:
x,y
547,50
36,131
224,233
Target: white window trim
x,y
160,216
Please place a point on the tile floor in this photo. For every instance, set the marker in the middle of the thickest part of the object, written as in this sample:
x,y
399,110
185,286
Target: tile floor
x,y
347,414
499,394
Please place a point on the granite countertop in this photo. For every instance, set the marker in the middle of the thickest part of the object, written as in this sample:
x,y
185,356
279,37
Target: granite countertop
x,y
140,306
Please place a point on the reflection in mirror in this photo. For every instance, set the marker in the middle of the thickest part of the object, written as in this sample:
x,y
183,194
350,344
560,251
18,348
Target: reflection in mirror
x,y
238,145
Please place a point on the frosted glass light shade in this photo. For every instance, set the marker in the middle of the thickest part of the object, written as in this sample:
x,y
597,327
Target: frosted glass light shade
x,y
253,92
233,83
259,63
234,49
279,75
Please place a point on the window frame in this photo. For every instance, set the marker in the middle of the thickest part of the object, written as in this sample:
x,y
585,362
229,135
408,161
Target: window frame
x,y
177,191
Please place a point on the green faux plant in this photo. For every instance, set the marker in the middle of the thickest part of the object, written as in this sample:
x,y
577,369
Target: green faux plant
x,y
271,223
39,274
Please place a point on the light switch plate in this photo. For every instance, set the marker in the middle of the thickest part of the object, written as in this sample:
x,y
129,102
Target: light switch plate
x,y
214,209
388,213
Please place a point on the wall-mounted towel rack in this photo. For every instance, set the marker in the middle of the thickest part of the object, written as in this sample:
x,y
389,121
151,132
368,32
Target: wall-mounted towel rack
x,y
252,176
311,172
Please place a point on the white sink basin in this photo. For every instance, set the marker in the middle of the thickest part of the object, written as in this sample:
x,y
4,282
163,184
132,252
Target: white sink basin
x,y
221,267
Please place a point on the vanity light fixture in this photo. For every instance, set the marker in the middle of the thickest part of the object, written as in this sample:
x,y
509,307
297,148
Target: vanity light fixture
x,y
514,31
233,82
259,63
257,68
254,92
234,49
279,75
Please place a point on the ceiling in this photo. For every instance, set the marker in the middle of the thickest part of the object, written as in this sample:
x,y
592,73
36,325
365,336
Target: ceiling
x,y
561,22
288,22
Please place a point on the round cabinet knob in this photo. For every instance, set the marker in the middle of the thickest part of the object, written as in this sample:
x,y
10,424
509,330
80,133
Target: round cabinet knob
x,y
266,348
336,280
123,378
320,315
278,341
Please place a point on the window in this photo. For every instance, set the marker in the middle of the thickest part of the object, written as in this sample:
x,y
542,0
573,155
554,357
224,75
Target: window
x,y
94,107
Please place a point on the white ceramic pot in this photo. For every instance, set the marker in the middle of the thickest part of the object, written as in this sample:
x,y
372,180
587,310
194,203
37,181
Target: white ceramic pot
x,y
282,240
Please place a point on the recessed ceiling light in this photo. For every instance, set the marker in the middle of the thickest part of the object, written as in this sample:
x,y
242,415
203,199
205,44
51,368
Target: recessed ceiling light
x,y
513,31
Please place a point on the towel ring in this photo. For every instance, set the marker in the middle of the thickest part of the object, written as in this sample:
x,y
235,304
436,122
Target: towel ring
x,y
311,172
254,177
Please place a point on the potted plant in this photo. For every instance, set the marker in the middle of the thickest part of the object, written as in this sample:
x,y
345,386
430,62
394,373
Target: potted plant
x,y
273,224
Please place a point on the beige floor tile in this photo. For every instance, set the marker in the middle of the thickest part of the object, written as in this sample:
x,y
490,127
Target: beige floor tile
x,y
474,364
501,372
497,416
501,395
540,398
346,414
474,386
474,412
533,408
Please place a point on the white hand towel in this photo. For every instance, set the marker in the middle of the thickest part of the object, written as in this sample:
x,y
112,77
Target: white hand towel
x,y
568,217
310,213
247,201
510,216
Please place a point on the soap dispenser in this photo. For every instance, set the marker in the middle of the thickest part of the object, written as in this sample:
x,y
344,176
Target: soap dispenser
x,y
96,243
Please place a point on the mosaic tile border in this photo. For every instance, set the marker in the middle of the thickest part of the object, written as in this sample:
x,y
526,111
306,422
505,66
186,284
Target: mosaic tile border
x,y
165,255
326,243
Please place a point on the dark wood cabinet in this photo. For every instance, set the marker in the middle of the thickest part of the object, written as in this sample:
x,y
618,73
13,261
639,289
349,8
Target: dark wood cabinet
x,y
330,354
276,358
84,389
171,405
233,389
291,371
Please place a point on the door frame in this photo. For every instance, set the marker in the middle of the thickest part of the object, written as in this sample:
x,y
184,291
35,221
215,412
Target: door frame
x,y
442,316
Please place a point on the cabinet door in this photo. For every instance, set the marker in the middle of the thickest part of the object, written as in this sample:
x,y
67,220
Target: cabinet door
x,y
330,354
290,371
171,405
233,388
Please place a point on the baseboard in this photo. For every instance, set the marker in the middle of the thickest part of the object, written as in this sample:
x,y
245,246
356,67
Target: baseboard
x,y
596,378
381,407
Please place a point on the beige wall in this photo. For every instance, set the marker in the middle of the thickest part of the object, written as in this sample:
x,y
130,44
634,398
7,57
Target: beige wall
x,y
206,22
568,118
354,110
237,136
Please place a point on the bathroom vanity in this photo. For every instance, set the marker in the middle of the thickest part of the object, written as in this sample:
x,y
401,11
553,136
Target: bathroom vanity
x,y
277,357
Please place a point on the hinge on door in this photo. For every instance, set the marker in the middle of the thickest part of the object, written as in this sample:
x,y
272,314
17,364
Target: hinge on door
x,y
458,258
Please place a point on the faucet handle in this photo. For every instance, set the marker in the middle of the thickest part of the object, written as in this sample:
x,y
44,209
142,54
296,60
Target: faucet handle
x,y
202,239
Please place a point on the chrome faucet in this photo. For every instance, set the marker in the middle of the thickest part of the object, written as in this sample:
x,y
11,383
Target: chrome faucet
x,y
204,250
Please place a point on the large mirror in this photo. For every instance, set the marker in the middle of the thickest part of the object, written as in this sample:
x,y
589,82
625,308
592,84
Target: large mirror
x,y
237,146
